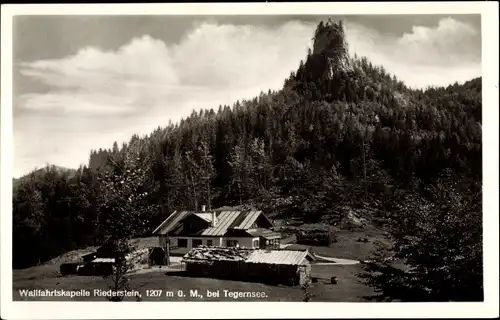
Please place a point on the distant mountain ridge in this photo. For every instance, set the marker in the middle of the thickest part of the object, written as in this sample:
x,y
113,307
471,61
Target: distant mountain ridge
x,y
37,172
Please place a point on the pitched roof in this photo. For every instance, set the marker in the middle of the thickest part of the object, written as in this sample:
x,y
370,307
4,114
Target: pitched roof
x,y
278,257
248,220
205,216
287,257
169,223
265,233
225,220
217,253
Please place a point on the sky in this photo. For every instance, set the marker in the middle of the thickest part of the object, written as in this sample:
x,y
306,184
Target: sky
x,y
83,82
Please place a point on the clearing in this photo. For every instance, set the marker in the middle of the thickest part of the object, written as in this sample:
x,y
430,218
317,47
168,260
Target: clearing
x,y
337,260
348,288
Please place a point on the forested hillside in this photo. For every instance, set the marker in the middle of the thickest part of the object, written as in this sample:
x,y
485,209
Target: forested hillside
x,y
342,132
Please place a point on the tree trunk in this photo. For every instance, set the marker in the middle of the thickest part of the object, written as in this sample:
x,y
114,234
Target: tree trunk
x,y
193,186
364,169
167,250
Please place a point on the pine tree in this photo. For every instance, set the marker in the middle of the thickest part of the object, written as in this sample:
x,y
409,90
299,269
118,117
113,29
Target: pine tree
x,y
240,171
437,252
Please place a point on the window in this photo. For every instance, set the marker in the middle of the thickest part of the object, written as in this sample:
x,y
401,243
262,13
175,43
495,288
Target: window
x,y
209,243
182,243
197,243
232,243
255,243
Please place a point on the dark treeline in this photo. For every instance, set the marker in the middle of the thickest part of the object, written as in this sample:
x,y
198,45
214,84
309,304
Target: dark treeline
x,y
359,138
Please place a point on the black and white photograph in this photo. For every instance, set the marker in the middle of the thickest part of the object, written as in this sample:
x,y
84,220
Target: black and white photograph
x,y
210,156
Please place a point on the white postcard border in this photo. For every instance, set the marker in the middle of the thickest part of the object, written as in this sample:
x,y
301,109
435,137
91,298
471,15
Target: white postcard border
x,y
178,310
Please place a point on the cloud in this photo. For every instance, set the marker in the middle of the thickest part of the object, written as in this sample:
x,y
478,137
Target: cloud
x,y
97,97
147,72
437,56
449,43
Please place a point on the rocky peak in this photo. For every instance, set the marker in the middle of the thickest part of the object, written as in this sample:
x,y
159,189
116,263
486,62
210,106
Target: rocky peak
x,y
330,43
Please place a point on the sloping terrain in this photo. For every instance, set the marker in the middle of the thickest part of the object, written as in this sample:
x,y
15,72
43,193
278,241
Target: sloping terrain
x,y
337,148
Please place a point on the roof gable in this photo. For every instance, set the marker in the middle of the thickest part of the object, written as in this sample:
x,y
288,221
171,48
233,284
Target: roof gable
x,y
171,222
207,216
264,233
225,220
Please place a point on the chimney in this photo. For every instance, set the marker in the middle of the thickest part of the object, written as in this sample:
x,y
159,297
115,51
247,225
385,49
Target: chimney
x,y
214,217
203,207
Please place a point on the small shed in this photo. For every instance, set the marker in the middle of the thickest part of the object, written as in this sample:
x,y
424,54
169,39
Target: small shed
x,y
268,239
157,254
279,266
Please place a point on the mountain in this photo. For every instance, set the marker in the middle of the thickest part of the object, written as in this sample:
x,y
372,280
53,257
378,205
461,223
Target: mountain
x,y
330,44
42,171
336,112
341,135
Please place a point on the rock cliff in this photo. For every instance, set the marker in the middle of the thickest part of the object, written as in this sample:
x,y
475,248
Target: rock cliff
x,y
330,44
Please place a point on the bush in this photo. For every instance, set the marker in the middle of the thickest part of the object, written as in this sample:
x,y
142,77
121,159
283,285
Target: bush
x,y
314,237
69,268
332,237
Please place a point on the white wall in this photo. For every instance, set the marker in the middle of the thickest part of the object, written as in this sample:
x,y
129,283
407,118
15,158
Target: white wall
x,y
216,241
243,242
163,241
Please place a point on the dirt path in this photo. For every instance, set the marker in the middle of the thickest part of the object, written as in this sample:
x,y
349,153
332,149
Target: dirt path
x,y
330,260
175,265
337,261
